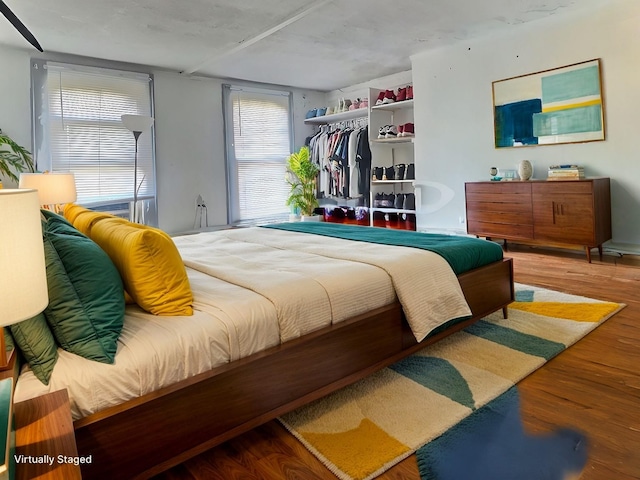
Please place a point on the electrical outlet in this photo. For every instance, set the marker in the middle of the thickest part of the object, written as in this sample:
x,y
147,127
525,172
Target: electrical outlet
x,y
461,219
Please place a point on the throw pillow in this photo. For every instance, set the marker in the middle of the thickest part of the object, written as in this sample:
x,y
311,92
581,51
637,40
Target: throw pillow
x,y
86,300
35,341
150,266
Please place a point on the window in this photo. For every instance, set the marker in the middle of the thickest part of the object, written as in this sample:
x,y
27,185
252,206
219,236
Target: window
x,y
258,126
78,129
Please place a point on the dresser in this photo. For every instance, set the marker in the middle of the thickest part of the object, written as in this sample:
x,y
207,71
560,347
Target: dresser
x,y
554,212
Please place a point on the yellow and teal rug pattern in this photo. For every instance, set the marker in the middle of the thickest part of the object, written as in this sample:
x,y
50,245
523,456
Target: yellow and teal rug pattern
x,y
364,429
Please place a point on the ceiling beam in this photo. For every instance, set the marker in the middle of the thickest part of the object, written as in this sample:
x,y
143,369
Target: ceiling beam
x,y
247,42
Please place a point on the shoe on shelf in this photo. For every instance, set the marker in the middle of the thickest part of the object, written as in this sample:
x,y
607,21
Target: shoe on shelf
x,y
402,95
364,103
410,173
380,99
400,169
329,111
389,173
354,105
409,92
409,201
408,130
378,173
391,132
400,130
389,97
382,131
346,105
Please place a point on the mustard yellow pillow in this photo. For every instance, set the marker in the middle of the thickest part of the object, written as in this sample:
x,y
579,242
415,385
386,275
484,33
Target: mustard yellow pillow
x,y
71,211
149,263
84,221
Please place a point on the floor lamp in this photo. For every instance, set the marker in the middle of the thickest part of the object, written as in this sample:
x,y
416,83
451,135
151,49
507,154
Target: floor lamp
x,y
23,288
136,124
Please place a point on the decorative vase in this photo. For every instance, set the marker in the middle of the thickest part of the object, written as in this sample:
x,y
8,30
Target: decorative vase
x,y
525,170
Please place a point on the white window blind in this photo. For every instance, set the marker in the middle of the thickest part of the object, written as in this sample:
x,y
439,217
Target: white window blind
x,y
82,131
258,124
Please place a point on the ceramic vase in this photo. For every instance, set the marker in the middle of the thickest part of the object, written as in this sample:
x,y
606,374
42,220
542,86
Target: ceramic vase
x,y
525,170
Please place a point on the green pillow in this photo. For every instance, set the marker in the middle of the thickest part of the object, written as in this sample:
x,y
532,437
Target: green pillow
x,y
86,296
37,345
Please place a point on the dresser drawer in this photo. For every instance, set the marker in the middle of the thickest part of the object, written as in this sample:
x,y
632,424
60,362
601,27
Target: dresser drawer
x,y
498,188
504,217
499,230
563,187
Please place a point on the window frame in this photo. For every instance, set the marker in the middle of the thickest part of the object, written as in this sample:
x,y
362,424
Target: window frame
x,y
231,162
42,141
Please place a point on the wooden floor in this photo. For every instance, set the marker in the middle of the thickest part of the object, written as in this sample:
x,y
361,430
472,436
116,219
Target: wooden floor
x,y
594,386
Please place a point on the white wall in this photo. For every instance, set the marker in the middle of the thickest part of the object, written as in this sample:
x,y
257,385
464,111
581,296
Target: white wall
x,y
189,133
454,118
15,103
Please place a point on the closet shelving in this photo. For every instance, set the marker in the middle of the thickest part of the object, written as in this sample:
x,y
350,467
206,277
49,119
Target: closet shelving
x,y
337,117
390,151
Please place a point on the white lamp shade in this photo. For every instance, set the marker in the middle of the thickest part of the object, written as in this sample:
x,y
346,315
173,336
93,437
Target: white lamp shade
x,y
23,277
137,123
53,188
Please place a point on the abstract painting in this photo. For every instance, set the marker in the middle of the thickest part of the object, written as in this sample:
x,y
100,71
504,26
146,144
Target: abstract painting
x,y
561,105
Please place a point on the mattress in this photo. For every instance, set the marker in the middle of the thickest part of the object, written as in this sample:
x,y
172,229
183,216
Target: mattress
x,y
253,289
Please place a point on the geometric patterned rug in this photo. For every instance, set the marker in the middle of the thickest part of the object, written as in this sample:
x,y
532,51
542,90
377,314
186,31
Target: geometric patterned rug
x,y
364,429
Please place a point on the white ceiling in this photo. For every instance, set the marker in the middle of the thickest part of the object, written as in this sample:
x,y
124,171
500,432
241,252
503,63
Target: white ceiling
x,y
321,44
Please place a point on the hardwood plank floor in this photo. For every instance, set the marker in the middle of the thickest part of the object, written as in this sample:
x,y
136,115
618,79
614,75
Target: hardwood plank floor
x,y
593,386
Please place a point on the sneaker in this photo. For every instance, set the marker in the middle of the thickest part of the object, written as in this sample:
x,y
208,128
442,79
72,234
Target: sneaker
x,y
380,99
408,130
364,103
400,169
399,203
409,201
410,173
402,95
409,92
378,172
355,104
389,173
346,105
377,201
391,132
382,131
329,111
400,130
389,97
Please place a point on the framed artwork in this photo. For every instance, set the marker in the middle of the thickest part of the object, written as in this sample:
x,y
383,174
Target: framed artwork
x,y
561,105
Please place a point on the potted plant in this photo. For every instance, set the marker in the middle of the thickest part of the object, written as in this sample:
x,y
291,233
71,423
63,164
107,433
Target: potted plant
x,y
14,159
302,174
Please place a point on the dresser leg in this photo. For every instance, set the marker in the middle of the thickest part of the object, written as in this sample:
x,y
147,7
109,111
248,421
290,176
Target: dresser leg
x,y
505,313
600,251
588,250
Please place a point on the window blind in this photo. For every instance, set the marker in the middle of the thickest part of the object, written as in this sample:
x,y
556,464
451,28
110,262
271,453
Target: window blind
x,y
83,133
258,124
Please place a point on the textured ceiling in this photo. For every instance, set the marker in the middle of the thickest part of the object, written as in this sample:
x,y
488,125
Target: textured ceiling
x,y
319,44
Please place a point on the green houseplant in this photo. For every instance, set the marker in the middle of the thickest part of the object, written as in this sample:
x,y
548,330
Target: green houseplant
x,y
14,159
302,174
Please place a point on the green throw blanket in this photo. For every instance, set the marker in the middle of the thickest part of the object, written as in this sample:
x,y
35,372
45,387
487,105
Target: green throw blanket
x,y
462,253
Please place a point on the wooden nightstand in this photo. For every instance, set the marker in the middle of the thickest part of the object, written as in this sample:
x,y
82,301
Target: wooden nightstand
x,y
44,430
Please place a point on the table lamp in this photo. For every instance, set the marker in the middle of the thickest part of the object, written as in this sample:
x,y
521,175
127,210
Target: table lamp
x,y
23,292
136,124
54,189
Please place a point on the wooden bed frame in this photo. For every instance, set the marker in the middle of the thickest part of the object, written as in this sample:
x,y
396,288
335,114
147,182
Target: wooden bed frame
x,y
150,434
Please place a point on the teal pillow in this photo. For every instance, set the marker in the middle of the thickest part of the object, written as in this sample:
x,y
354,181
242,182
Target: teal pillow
x,y
86,296
35,341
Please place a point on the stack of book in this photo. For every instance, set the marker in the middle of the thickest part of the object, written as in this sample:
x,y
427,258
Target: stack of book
x,y
565,172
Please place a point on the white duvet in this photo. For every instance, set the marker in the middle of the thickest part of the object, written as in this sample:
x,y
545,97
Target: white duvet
x,y
254,288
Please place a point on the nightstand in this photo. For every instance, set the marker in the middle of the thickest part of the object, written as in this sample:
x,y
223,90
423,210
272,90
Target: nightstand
x,y
45,436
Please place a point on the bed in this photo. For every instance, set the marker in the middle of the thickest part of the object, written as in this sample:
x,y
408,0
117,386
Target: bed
x,y
359,304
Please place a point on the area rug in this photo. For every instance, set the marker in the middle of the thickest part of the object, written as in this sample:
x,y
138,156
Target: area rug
x,y
363,430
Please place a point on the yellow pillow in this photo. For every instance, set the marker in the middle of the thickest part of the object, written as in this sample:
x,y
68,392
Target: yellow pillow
x,y
84,221
71,211
149,263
